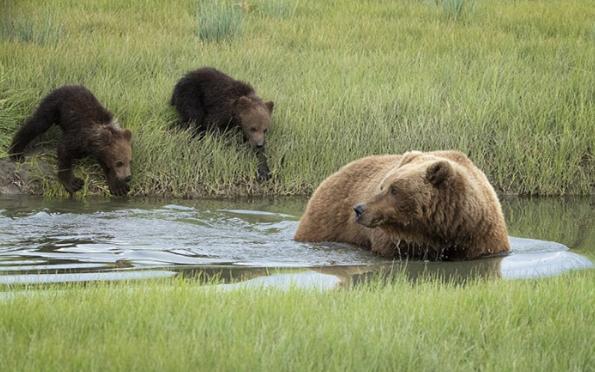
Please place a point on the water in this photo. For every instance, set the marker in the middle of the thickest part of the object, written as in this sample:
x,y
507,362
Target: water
x,y
249,243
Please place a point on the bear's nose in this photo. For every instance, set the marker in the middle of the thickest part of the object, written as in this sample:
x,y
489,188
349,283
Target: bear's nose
x,y
359,210
128,179
260,145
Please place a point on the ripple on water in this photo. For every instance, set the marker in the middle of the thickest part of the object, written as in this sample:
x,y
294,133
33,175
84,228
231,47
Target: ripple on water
x,y
54,241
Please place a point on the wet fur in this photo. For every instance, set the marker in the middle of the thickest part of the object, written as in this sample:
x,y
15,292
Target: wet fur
x,y
88,129
450,210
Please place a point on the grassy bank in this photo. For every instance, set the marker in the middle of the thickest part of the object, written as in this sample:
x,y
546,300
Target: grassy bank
x,y
497,325
510,83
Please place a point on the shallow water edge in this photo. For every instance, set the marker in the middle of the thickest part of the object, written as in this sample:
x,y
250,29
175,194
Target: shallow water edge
x,y
249,243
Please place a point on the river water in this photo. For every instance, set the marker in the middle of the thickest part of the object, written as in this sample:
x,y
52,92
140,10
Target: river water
x,y
249,243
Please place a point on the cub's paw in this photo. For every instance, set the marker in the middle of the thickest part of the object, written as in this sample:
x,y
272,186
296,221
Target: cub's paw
x,y
119,189
74,185
263,174
17,157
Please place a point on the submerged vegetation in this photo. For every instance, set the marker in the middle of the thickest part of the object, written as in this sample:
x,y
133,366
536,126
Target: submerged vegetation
x,y
510,83
545,325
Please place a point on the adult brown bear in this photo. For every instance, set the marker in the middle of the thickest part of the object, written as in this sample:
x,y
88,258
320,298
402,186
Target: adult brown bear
x,y
88,129
433,205
209,100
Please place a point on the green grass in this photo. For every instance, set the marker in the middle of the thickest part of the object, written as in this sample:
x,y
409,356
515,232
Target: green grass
x,y
455,9
39,29
218,20
275,8
510,83
545,325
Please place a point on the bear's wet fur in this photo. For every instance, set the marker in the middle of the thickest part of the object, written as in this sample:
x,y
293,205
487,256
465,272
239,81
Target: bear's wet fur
x,y
209,100
429,205
88,129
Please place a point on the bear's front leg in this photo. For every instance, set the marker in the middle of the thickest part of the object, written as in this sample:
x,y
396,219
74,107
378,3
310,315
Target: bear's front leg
x,y
263,172
198,130
71,183
119,188
384,244
116,187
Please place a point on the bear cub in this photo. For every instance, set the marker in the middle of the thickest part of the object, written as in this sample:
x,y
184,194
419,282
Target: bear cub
x,y
430,205
209,100
88,129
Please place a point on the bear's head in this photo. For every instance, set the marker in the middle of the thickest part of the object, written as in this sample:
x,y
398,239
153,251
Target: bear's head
x,y
115,157
255,119
418,196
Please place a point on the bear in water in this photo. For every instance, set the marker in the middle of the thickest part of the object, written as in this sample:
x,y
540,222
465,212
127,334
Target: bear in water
x,y
431,205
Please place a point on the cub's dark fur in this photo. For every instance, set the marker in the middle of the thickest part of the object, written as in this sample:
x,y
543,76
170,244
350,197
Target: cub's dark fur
x,y
88,129
208,99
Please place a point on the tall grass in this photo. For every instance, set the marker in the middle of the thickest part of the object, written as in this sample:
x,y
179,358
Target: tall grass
x,y
455,9
543,325
512,86
28,28
276,8
218,20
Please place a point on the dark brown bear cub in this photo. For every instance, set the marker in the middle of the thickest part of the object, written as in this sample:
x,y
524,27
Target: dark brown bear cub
x,y
207,99
88,129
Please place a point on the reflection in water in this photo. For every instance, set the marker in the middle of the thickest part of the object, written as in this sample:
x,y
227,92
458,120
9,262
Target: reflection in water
x,y
84,277
300,279
570,221
251,242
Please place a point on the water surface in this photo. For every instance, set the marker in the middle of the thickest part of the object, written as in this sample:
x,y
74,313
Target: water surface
x,y
249,243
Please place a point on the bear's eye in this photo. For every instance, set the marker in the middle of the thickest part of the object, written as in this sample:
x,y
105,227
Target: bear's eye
x,y
394,190
119,163
252,129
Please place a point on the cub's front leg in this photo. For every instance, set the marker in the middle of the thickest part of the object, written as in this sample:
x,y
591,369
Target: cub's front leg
x,y
66,176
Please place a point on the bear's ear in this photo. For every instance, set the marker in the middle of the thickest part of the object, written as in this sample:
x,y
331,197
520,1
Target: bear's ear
x,y
270,105
439,172
104,136
409,156
127,135
242,103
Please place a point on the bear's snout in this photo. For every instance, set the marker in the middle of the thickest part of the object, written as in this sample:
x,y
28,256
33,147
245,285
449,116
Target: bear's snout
x,y
258,141
359,210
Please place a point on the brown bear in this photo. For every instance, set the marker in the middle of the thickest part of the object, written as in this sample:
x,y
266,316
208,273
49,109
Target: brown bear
x,y
88,129
208,100
430,205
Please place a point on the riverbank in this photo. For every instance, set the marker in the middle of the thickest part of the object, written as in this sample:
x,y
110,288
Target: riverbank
x,y
511,84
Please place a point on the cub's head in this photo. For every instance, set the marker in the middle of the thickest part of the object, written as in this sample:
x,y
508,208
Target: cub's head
x,y
411,193
255,119
115,156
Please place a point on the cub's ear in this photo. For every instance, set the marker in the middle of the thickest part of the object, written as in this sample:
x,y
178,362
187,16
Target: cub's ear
x,y
127,135
242,102
270,105
439,172
104,136
105,133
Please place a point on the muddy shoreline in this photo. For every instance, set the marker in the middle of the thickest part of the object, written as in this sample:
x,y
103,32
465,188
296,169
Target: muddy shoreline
x,y
23,178
29,177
